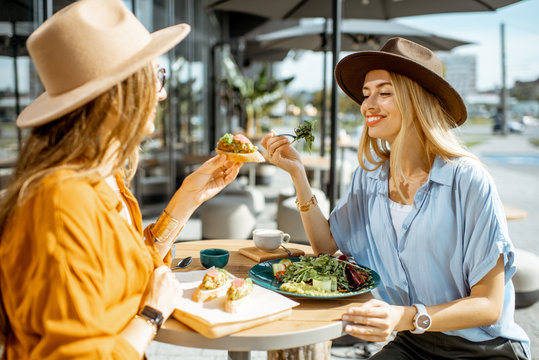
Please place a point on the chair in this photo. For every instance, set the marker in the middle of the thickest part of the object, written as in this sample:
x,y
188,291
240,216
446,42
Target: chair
x,y
253,197
526,280
227,217
232,213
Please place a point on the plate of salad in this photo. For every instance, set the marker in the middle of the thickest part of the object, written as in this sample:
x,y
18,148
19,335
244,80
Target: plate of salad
x,y
322,277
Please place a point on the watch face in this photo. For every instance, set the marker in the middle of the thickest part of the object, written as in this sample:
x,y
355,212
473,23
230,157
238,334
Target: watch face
x,y
423,321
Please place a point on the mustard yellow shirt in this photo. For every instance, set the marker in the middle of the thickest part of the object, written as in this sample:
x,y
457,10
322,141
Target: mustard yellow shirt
x,y
73,271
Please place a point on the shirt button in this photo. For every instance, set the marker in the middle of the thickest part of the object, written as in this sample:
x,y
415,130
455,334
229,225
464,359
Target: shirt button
x,y
405,227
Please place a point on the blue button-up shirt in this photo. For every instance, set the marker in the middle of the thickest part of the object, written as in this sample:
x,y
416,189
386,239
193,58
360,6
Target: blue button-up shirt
x,y
450,240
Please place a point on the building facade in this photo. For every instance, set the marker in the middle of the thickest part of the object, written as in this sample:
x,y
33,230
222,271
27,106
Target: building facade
x,y
188,122
460,72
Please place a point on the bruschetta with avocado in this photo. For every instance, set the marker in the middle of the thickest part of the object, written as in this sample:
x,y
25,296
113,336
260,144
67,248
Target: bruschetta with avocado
x,y
215,283
239,148
239,292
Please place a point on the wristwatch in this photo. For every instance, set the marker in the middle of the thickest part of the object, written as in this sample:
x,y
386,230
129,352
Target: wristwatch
x,y
152,316
422,319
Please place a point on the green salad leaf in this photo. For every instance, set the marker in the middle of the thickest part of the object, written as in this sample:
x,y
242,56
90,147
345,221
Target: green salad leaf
x,y
309,268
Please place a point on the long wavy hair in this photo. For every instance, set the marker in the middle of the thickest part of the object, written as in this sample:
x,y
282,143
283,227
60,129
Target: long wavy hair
x,y
423,116
95,140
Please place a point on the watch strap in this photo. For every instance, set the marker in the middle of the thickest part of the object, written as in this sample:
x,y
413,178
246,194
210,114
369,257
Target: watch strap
x,y
153,315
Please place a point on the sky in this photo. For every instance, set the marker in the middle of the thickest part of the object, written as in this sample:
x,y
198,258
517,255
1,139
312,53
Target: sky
x,y
483,29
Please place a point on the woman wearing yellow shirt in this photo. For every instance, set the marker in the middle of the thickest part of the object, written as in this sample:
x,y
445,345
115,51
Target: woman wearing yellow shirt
x,y
79,276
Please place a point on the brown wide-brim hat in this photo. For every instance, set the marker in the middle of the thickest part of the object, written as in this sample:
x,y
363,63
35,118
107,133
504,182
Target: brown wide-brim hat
x,y
85,49
406,58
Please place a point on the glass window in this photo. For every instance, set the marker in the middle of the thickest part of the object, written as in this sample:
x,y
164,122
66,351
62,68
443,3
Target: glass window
x,y
182,123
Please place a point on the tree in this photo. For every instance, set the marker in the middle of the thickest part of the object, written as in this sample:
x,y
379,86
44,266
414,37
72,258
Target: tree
x,y
526,90
254,97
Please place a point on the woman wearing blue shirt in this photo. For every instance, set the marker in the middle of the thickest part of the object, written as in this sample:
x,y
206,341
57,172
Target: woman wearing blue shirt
x,y
421,210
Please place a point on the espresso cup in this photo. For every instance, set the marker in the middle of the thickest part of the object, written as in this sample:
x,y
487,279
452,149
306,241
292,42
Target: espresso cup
x,y
269,239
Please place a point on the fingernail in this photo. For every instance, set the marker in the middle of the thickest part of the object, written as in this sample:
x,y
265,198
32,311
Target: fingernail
x,y
346,317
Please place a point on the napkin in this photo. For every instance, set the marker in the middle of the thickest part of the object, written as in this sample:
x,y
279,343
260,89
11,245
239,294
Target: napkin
x,y
263,302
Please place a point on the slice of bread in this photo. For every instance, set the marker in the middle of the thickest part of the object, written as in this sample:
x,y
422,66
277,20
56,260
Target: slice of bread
x,y
239,292
201,295
207,289
233,306
254,157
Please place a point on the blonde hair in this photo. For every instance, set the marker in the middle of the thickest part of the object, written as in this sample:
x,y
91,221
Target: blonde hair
x,y
84,139
423,116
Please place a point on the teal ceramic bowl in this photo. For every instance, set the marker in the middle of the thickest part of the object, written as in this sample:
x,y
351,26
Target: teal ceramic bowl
x,y
214,257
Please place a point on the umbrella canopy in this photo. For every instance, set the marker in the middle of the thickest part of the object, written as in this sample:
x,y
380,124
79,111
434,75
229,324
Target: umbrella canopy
x,y
364,9
356,35
255,52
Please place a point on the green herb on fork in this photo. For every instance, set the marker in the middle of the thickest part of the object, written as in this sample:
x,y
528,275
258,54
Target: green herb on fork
x,y
303,131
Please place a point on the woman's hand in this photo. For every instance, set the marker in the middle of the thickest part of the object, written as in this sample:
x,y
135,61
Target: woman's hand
x,y
163,291
374,320
210,178
203,184
281,153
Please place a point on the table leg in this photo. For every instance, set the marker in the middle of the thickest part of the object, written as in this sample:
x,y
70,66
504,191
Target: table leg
x,y
319,351
239,355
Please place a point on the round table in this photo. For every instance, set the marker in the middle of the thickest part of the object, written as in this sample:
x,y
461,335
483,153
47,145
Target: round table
x,y
513,213
311,322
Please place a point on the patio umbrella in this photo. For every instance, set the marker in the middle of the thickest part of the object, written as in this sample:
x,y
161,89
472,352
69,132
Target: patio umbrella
x,y
254,51
364,9
339,9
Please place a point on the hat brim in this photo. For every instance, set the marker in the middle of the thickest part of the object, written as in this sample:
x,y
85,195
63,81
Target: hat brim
x,y
351,70
46,108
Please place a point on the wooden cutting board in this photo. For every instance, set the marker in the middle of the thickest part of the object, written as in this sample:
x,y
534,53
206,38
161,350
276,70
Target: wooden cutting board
x,y
219,330
258,255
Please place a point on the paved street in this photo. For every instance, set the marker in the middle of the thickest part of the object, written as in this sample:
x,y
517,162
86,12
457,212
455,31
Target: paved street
x,y
517,180
518,185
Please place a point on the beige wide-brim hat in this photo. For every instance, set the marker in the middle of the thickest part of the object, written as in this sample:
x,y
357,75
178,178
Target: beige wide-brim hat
x,y
86,48
406,58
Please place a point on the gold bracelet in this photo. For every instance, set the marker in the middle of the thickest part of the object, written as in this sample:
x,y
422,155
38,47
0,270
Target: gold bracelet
x,y
154,326
165,229
306,206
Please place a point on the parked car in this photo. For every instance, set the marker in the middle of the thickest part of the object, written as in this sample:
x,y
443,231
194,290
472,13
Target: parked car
x,y
515,127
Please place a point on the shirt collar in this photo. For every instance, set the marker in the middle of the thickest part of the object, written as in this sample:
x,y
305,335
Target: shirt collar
x,y
381,173
441,172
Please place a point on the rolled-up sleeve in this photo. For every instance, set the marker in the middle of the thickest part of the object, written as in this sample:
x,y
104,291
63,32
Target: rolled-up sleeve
x,y
485,229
